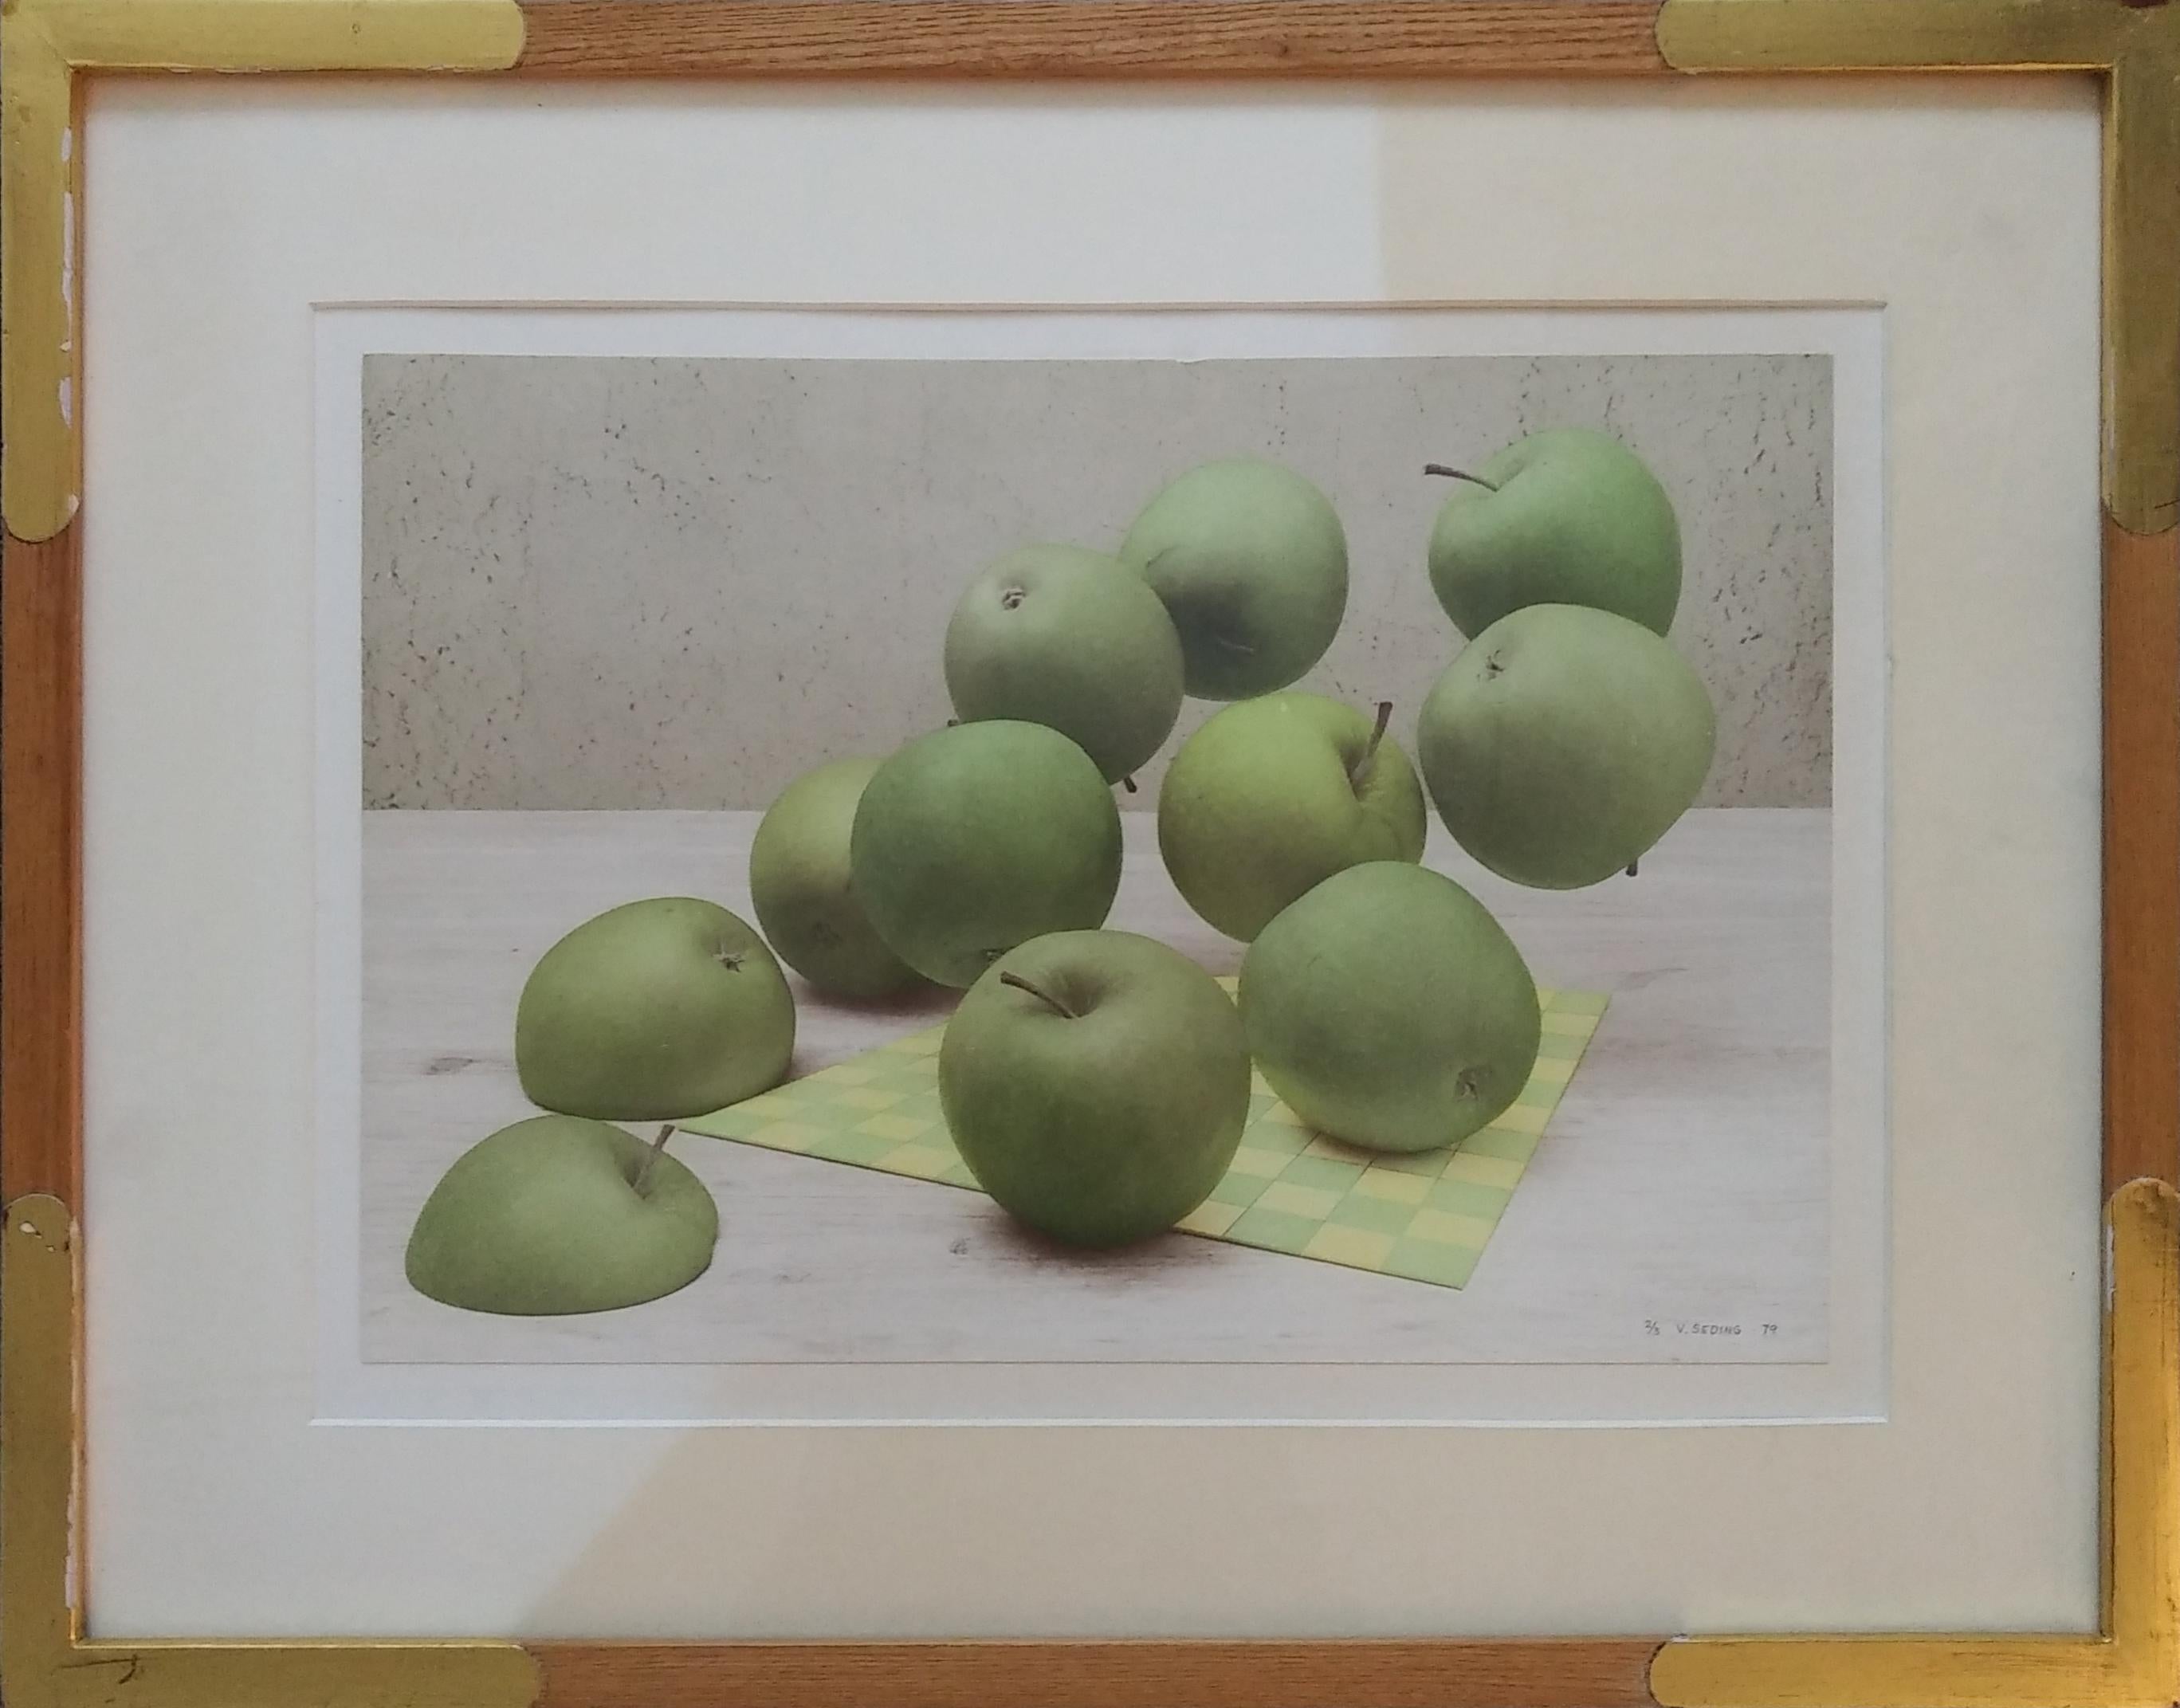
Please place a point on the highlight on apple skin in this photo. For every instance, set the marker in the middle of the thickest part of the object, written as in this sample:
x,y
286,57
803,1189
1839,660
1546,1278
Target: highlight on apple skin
x,y
1562,742
976,838
1067,637
1274,796
653,1010
1388,1009
801,886
557,1215
1096,1083
1251,561
1564,517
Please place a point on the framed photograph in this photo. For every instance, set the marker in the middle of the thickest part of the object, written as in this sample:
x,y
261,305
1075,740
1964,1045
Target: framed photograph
x,y
1097,852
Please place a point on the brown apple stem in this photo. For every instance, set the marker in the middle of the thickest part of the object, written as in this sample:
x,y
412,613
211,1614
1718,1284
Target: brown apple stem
x,y
1361,774
1632,865
642,1180
1044,996
1129,783
1454,474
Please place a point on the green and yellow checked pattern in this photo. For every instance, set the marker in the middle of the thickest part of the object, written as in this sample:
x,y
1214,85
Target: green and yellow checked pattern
x,y
1425,1217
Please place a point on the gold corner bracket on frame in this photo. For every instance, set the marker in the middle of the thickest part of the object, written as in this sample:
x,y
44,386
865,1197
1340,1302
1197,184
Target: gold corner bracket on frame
x,y
1812,36
2135,1661
43,45
2135,49
46,1661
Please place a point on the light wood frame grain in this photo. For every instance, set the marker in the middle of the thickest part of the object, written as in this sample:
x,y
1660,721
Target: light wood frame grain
x,y
49,47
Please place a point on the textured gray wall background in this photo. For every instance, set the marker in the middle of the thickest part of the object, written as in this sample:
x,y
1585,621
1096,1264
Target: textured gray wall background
x,y
627,582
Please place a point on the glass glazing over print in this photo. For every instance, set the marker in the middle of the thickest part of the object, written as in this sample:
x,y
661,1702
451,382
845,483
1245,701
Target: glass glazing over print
x,y
1260,860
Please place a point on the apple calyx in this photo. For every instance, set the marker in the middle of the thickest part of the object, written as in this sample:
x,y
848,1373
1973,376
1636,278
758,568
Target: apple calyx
x,y
1012,599
641,1184
1359,772
1454,474
1046,997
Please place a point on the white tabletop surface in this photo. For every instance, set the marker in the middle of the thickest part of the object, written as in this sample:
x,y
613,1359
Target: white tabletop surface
x,y
1682,1180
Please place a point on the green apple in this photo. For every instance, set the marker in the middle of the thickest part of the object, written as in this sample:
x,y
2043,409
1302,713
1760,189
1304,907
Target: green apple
x,y
976,838
1388,1009
1096,1083
1252,562
1562,742
1066,637
652,1012
1272,797
556,1215
1568,517
799,884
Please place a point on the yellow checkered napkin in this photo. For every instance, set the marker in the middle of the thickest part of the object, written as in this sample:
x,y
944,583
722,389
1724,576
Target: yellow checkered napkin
x,y
1423,1216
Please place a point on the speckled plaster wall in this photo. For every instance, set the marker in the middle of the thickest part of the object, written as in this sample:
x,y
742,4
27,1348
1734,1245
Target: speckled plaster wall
x,y
621,582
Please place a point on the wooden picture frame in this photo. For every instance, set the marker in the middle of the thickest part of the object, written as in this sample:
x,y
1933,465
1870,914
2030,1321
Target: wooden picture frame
x,y
49,48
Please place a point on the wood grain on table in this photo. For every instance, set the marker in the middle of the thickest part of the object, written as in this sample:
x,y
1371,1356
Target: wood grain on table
x,y
1684,1176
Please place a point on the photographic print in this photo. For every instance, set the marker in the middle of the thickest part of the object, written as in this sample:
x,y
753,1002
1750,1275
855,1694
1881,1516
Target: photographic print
x,y
1252,859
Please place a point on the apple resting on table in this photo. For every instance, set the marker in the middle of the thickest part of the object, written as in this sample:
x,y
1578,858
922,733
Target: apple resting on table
x,y
1567,517
556,1216
1272,797
1252,564
653,1010
976,838
801,888
1068,638
1389,1009
1096,1083
1562,742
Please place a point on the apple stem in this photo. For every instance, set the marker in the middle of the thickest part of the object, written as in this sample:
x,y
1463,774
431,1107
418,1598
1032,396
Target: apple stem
x,y
1454,474
1361,774
1129,783
1632,865
642,1179
1377,730
1044,996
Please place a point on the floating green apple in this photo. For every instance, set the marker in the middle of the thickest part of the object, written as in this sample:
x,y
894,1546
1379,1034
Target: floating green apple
x,y
799,884
1562,742
653,1012
1272,797
555,1216
976,838
1096,1083
1387,1008
1567,517
1252,562
1069,638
